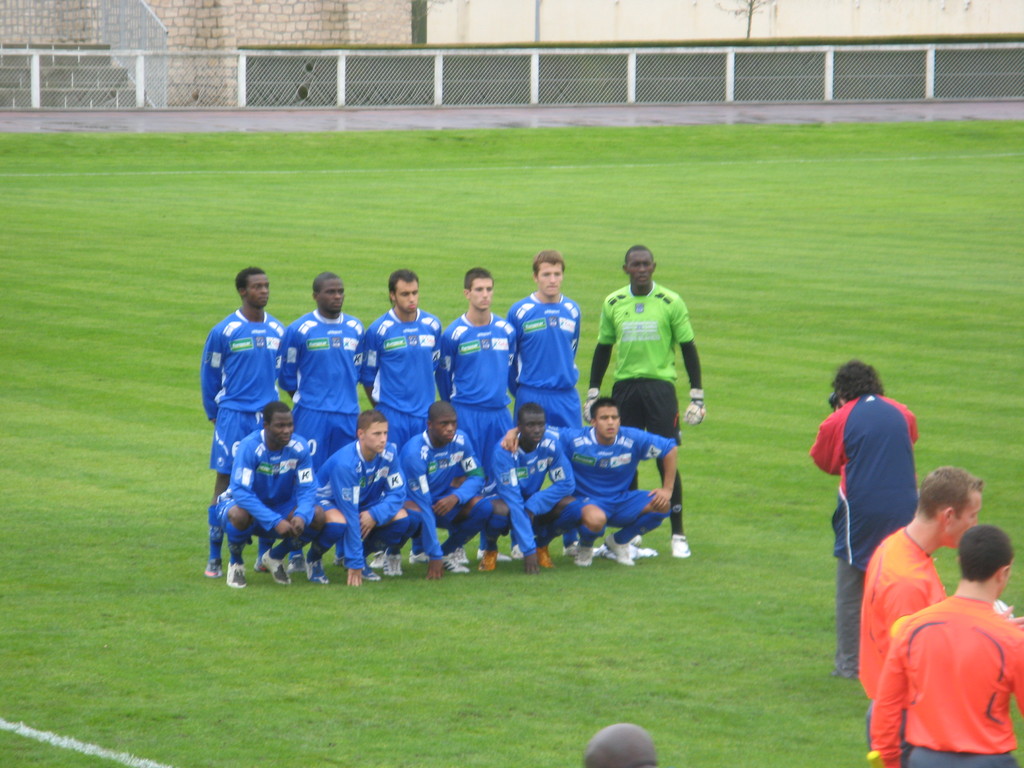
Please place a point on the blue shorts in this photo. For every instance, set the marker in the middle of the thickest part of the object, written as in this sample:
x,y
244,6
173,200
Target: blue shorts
x,y
325,431
228,431
485,427
255,528
561,406
402,426
622,508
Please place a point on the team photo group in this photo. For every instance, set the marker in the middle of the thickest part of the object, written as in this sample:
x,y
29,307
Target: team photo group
x,y
440,448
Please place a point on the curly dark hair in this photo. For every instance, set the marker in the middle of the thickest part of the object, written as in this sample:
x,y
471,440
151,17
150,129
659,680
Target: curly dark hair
x,y
855,379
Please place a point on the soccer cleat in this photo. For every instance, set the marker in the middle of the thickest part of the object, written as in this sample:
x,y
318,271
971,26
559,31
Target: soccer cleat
x,y
621,551
460,556
488,561
604,552
570,551
392,565
680,547
377,560
236,575
517,553
213,569
452,565
584,556
544,558
369,575
315,572
260,567
639,553
276,568
297,563
418,557
501,556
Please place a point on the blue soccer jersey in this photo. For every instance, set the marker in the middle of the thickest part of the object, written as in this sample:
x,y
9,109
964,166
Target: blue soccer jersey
x,y
605,470
321,362
400,361
546,339
430,473
240,364
476,363
520,479
351,484
270,484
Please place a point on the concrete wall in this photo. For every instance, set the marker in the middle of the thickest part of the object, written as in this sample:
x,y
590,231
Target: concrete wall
x,y
580,21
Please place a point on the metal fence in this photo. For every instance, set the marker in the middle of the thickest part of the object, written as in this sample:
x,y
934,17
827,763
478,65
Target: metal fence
x,y
491,77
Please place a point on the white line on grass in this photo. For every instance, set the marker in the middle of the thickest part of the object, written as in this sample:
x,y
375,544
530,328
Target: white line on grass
x,y
78,746
509,168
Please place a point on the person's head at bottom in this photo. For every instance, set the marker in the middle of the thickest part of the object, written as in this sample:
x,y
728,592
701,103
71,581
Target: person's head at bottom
x,y
622,745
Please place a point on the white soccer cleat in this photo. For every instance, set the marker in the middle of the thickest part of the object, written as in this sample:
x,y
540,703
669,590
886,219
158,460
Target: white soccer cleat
x,y
621,551
376,560
604,552
236,575
452,564
638,553
517,553
460,556
297,564
680,547
415,557
276,568
392,565
584,556
570,551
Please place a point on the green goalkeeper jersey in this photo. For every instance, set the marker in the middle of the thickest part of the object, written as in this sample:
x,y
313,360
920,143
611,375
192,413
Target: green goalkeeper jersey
x,y
646,330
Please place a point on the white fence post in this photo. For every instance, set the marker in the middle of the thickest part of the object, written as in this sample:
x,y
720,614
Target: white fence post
x,y
929,73
342,62
830,73
438,80
631,78
534,78
730,75
241,80
37,100
140,80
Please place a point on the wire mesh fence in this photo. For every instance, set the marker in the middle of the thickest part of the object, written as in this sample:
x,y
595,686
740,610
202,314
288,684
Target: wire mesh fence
x,y
100,78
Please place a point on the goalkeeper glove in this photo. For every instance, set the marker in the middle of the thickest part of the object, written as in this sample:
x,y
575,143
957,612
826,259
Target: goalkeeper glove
x,y
592,394
695,410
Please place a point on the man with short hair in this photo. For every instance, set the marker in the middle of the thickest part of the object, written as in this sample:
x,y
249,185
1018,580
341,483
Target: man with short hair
x,y
403,347
445,482
477,350
271,494
946,685
646,321
901,578
547,326
361,487
868,441
238,378
525,503
622,745
604,459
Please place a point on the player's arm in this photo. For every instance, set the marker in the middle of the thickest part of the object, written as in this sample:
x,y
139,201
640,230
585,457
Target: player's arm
x,y
305,490
662,497
392,498
371,362
445,369
513,361
507,478
242,484
343,483
287,378
210,373
828,451
695,411
419,500
598,367
563,482
887,713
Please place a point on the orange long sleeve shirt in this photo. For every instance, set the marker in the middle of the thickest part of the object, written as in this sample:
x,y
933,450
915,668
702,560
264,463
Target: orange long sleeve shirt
x,y
953,666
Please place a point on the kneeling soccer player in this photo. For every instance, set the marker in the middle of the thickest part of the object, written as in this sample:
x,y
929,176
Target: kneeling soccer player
x,y
604,460
271,494
362,491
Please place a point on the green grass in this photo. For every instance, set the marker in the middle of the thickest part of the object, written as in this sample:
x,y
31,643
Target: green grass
x,y
795,248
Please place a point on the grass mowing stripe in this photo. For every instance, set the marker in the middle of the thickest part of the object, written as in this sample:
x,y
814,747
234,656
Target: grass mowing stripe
x,y
65,742
512,169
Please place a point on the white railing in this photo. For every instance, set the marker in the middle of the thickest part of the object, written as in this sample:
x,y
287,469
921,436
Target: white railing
x,y
517,76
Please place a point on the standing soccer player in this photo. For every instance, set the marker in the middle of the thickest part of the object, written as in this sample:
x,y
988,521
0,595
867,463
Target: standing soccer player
x,y
646,321
477,351
868,441
403,347
238,378
547,326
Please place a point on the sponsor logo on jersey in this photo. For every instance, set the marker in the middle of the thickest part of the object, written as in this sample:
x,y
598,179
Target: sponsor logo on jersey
x,y
553,322
424,485
426,341
534,325
381,473
588,461
567,325
241,345
306,476
557,475
432,467
620,461
265,468
395,481
653,452
350,344
638,308
469,464
510,478
246,478
522,472
413,339
469,347
500,344
346,494
273,343
640,330
317,344
260,341
395,343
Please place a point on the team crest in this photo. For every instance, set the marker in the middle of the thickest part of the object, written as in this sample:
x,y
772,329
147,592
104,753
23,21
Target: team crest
x,y
638,308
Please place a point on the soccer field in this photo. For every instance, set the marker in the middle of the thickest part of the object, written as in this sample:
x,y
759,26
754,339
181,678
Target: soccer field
x,y
795,248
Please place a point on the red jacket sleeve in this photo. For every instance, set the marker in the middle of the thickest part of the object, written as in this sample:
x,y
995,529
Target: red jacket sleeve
x,y
828,451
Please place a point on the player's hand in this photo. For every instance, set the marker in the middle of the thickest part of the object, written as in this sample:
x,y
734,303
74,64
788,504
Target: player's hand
x,y
355,577
445,505
298,526
530,565
510,442
695,411
284,528
366,523
592,394
660,500
435,570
